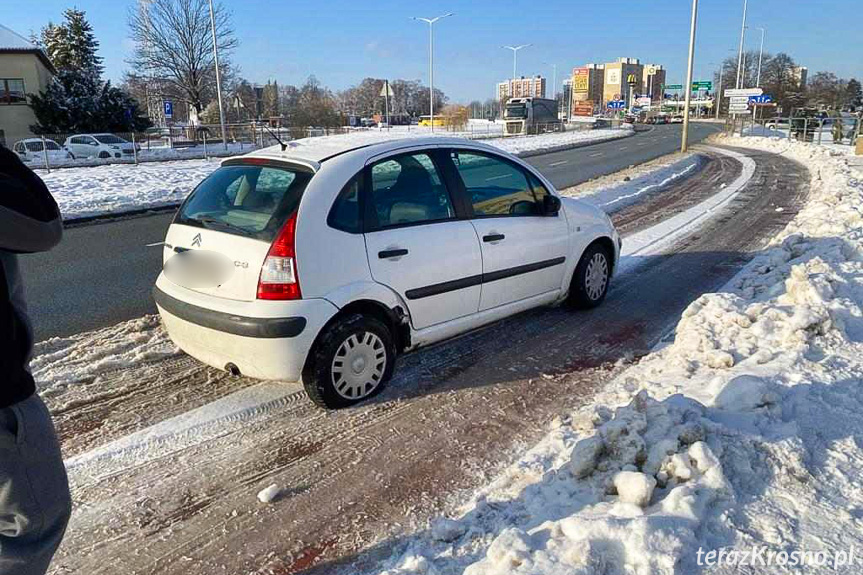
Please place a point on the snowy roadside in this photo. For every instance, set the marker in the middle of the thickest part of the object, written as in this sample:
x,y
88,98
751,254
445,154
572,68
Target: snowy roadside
x,y
621,189
736,447
118,188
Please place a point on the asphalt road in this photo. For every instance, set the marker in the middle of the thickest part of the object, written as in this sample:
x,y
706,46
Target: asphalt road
x,y
102,272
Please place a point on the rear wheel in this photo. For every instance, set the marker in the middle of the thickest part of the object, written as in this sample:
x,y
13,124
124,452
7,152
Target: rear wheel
x,y
352,361
590,280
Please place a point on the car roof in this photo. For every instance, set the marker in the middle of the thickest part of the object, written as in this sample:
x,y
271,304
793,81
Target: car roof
x,y
312,152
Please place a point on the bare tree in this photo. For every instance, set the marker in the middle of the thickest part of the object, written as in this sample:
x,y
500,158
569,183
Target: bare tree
x,y
174,43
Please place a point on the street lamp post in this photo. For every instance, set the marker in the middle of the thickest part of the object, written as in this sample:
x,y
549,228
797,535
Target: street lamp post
x,y
688,85
740,50
760,56
554,83
515,50
430,22
218,75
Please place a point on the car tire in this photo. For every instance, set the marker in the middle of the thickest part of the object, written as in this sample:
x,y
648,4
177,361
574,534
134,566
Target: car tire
x,y
590,280
104,155
361,345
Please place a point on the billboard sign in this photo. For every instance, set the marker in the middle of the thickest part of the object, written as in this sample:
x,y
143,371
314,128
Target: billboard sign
x,y
583,108
612,76
581,80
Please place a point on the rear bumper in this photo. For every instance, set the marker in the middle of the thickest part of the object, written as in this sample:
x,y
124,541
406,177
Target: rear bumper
x,y
219,332
258,327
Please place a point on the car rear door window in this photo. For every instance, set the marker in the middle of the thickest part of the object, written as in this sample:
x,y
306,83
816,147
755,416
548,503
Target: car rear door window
x,y
494,187
408,189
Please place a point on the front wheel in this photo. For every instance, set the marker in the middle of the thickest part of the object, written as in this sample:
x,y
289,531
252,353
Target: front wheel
x,y
352,361
104,155
590,280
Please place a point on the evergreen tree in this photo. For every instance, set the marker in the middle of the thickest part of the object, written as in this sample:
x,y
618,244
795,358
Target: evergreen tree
x,y
72,45
853,94
78,100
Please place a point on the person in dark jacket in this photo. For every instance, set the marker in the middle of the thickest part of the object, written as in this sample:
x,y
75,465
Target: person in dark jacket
x,y
34,492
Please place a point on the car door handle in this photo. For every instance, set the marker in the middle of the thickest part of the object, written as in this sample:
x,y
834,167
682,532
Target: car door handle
x,y
392,253
493,237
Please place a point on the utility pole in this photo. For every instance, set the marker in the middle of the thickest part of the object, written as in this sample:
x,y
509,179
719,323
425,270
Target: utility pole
x,y
515,50
688,85
718,99
430,22
740,50
218,76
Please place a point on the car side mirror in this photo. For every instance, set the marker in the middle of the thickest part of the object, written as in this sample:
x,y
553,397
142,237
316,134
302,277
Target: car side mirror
x,y
550,205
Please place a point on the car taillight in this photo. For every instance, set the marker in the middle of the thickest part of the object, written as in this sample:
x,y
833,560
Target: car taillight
x,y
279,279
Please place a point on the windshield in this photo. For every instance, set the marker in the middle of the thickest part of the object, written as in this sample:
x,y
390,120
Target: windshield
x,y
109,139
516,111
248,200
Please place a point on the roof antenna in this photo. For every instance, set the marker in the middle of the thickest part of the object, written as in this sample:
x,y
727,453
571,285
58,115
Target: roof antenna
x,y
281,143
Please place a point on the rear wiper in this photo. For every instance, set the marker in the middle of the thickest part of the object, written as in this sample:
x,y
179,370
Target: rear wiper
x,y
222,223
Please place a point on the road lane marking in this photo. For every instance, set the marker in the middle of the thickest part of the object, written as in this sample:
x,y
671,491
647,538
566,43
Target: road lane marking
x,y
553,164
155,244
597,154
623,148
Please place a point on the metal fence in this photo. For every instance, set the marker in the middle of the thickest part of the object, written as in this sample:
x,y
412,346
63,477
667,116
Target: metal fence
x,y
51,151
840,131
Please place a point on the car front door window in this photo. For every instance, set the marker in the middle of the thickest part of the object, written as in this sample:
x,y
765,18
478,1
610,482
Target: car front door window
x,y
495,187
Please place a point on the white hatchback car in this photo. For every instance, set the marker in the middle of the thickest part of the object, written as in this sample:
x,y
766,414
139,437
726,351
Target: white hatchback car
x,y
31,150
102,146
322,264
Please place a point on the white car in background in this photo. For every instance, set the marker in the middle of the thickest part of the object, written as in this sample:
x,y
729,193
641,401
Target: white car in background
x,y
322,264
31,150
102,146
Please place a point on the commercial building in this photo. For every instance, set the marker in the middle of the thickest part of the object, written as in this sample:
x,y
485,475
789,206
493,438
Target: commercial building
x,y
24,70
587,82
800,75
623,79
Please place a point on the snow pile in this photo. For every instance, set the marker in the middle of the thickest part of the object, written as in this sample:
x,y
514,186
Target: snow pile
x,y
742,439
618,196
117,188
61,362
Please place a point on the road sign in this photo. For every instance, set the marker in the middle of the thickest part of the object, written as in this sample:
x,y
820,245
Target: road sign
x,y
387,90
643,101
764,99
616,104
674,86
702,85
169,109
739,100
743,92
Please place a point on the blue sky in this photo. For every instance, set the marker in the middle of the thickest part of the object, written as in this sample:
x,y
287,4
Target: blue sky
x,y
342,41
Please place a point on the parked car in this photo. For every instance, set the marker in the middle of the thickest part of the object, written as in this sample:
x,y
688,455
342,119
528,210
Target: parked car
x,y
323,263
31,150
101,146
677,119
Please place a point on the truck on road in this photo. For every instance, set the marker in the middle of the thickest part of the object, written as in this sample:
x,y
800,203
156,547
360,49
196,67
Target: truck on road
x,y
531,116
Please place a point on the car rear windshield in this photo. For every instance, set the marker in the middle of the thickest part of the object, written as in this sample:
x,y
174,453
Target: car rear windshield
x,y
247,200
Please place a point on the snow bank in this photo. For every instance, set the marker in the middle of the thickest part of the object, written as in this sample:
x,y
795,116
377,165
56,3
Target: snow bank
x,y
117,188
741,442
623,194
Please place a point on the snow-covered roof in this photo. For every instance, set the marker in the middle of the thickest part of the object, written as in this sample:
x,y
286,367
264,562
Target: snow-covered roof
x,y
10,40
